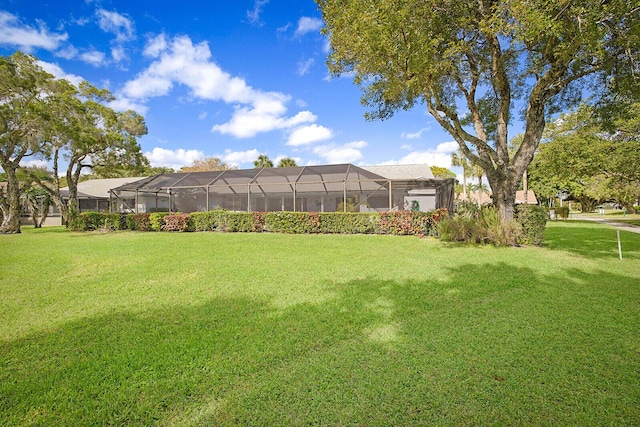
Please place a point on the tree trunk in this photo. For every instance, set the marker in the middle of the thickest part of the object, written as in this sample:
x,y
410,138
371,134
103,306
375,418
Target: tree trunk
x,y
11,220
504,195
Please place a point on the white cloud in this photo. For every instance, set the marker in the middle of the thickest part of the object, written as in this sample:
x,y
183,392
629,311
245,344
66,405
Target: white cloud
x,y
155,46
181,62
309,134
93,57
203,115
67,52
265,114
236,158
59,72
15,33
335,154
34,163
308,25
414,135
253,15
440,156
122,103
304,66
174,159
118,53
115,23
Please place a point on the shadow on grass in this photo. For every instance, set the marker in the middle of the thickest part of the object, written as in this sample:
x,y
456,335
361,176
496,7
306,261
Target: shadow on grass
x,y
487,344
591,240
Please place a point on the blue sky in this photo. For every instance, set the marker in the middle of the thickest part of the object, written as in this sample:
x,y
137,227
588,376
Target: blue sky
x,y
231,79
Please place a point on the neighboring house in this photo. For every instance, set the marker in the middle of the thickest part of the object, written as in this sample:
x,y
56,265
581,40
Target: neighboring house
x,y
486,199
94,195
322,188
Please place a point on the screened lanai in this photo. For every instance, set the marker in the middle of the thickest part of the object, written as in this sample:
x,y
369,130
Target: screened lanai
x,y
325,188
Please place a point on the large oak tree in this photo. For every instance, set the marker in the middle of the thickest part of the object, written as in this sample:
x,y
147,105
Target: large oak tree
x,y
26,95
88,135
477,64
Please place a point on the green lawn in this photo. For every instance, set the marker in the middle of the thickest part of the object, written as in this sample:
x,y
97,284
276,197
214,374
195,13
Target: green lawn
x,y
203,329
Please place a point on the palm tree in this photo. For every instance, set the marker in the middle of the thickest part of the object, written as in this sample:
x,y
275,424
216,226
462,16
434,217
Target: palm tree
x,y
477,171
458,159
287,162
263,161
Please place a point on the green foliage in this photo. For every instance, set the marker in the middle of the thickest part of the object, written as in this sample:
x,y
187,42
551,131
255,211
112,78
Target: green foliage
x,y
562,212
440,172
92,221
486,227
263,161
156,220
349,222
473,63
397,223
287,162
533,220
238,222
222,220
459,229
292,222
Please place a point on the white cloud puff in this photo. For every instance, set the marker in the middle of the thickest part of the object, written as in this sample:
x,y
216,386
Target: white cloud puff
x,y
93,57
440,156
174,159
336,154
237,158
115,23
308,25
59,73
15,33
309,134
179,61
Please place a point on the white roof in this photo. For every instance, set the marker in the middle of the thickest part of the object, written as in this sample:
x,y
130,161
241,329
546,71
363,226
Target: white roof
x,y
99,188
419,171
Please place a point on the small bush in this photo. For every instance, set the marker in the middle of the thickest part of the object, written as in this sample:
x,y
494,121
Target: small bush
x,y
533,220
459,229
176,222
156,220
485,228
562,212
138,222
237,222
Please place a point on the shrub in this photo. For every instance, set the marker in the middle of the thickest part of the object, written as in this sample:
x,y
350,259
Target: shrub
x,y
292,222
486,228
347,223
237,222
533,220
138,222
207,221
176,222
459,229
562,211
156,220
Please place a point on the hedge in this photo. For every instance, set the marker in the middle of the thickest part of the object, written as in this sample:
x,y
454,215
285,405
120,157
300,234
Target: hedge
x,y
533,220
400,222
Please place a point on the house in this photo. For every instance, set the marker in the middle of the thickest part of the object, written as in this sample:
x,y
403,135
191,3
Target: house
x,y
319,188
485,198
94,195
